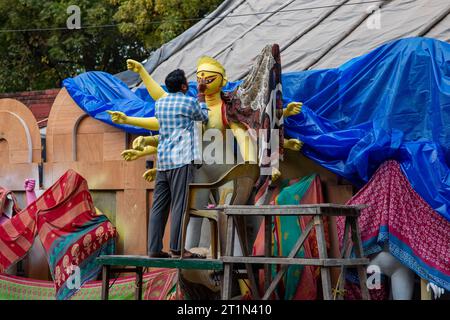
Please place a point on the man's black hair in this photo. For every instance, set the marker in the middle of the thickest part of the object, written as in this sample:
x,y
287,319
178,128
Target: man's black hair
x,y
175,80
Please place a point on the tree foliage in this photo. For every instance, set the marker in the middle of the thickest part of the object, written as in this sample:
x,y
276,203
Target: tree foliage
x,y
35,60
158,21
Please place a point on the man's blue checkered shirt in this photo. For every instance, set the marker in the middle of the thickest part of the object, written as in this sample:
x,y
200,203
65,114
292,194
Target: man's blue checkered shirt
x,y
178,133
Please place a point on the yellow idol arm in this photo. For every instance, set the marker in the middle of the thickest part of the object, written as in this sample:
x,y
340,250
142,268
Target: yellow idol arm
x,y
132,154
142,141
146,123
292,109
149,175
246,144
292,144
153,88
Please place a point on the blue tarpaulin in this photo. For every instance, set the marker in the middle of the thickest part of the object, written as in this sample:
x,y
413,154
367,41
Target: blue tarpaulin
x,y
392,103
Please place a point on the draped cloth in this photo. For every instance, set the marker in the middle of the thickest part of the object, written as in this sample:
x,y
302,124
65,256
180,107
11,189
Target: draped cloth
x,y
73,235
257,103
399,218
156,285
299,282
287,230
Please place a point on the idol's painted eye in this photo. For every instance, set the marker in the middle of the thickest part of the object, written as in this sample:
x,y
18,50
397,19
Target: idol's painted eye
x,y
210,79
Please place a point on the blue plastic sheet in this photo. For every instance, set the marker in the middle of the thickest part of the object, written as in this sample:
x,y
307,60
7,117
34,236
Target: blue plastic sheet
x,y
392,103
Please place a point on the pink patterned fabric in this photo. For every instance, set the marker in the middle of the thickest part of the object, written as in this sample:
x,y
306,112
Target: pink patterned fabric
x,y
399,217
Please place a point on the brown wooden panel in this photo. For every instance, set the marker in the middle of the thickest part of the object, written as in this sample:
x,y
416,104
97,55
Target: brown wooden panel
x,y
120,204
4,151
105,201
131,221
99,175
17,117
134,172
12,176
19,136
60,149
113,145
89,147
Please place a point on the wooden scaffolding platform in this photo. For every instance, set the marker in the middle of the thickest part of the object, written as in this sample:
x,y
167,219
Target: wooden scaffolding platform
x,y
234,215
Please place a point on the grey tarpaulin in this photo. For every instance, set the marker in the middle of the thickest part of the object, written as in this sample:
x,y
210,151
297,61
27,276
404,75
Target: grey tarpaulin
x,y
312,34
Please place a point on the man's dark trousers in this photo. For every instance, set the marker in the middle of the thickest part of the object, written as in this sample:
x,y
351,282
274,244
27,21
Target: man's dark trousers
x,y
170,194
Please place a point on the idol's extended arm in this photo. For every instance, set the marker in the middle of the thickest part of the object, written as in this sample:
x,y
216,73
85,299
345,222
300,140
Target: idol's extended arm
x,y
292,109
146,123
133,154
155,91
153,88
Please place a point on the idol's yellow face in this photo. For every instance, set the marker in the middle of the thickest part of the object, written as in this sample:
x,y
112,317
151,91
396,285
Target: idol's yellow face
x,y
214,80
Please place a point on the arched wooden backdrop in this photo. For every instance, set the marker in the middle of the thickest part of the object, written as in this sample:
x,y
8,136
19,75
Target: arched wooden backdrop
x,y
20,157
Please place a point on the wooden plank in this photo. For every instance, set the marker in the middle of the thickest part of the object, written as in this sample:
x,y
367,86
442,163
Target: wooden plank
x,y
242,236
424,294
144,261
138,289
228,267
267,249
105,282
344,254
294,206
359,252
131,218
294,210
322,246
330,262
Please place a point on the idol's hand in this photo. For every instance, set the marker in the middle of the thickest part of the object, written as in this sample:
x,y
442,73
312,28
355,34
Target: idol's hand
x,y
134,66
437,291
131,154
139,143
29,184
293,144
276,174
118,117
292,109
149,175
